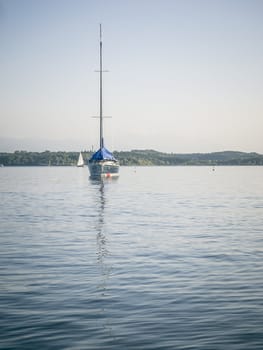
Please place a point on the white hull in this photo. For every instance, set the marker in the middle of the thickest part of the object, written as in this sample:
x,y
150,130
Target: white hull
x,y
104,169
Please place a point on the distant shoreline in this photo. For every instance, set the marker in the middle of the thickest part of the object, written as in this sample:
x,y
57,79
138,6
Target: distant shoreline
x,y
133,158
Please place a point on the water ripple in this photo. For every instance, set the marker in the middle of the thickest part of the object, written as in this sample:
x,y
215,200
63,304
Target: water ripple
x,y
172,261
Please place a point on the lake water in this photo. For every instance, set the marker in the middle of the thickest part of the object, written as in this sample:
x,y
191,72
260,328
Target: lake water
x,y
162,258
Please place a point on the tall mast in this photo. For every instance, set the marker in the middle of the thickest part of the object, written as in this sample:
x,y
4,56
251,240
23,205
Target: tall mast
x,y
101,116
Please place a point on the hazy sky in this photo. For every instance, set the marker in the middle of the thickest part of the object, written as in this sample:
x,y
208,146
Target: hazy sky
x,y
185,75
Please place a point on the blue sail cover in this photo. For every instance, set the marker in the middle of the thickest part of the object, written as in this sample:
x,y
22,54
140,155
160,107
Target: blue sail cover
x,y
102,154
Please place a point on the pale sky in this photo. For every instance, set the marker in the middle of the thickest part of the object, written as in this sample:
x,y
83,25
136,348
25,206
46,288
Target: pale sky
x,y
185,75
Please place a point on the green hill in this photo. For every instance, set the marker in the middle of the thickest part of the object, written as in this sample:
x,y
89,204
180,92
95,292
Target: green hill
x,y
134,157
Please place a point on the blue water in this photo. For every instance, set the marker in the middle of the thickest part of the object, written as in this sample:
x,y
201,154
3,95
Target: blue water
x,y
163,258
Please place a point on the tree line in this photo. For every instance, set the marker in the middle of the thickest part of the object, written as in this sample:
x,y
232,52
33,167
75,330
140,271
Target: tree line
x,y
133,158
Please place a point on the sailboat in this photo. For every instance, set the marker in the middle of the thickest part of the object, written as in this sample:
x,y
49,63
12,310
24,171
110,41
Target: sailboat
x,y
80,161
102,163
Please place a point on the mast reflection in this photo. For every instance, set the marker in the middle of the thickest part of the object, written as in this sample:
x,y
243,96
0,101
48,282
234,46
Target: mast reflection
x,y
101,234
102,251
102,259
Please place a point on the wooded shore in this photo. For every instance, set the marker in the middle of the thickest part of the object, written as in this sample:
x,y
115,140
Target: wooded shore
x,y
133,158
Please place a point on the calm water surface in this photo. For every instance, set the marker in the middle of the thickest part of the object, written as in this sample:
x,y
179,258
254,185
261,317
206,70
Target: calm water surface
x,y
163,258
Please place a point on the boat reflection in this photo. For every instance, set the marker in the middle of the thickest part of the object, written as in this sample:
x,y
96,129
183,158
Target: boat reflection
x,y
102,251
103,257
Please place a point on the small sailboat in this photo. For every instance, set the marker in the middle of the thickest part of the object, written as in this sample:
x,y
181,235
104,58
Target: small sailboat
x,y
102,164
80,161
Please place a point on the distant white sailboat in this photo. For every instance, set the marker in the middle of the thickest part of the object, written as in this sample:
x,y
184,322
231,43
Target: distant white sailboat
x,y
80,161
